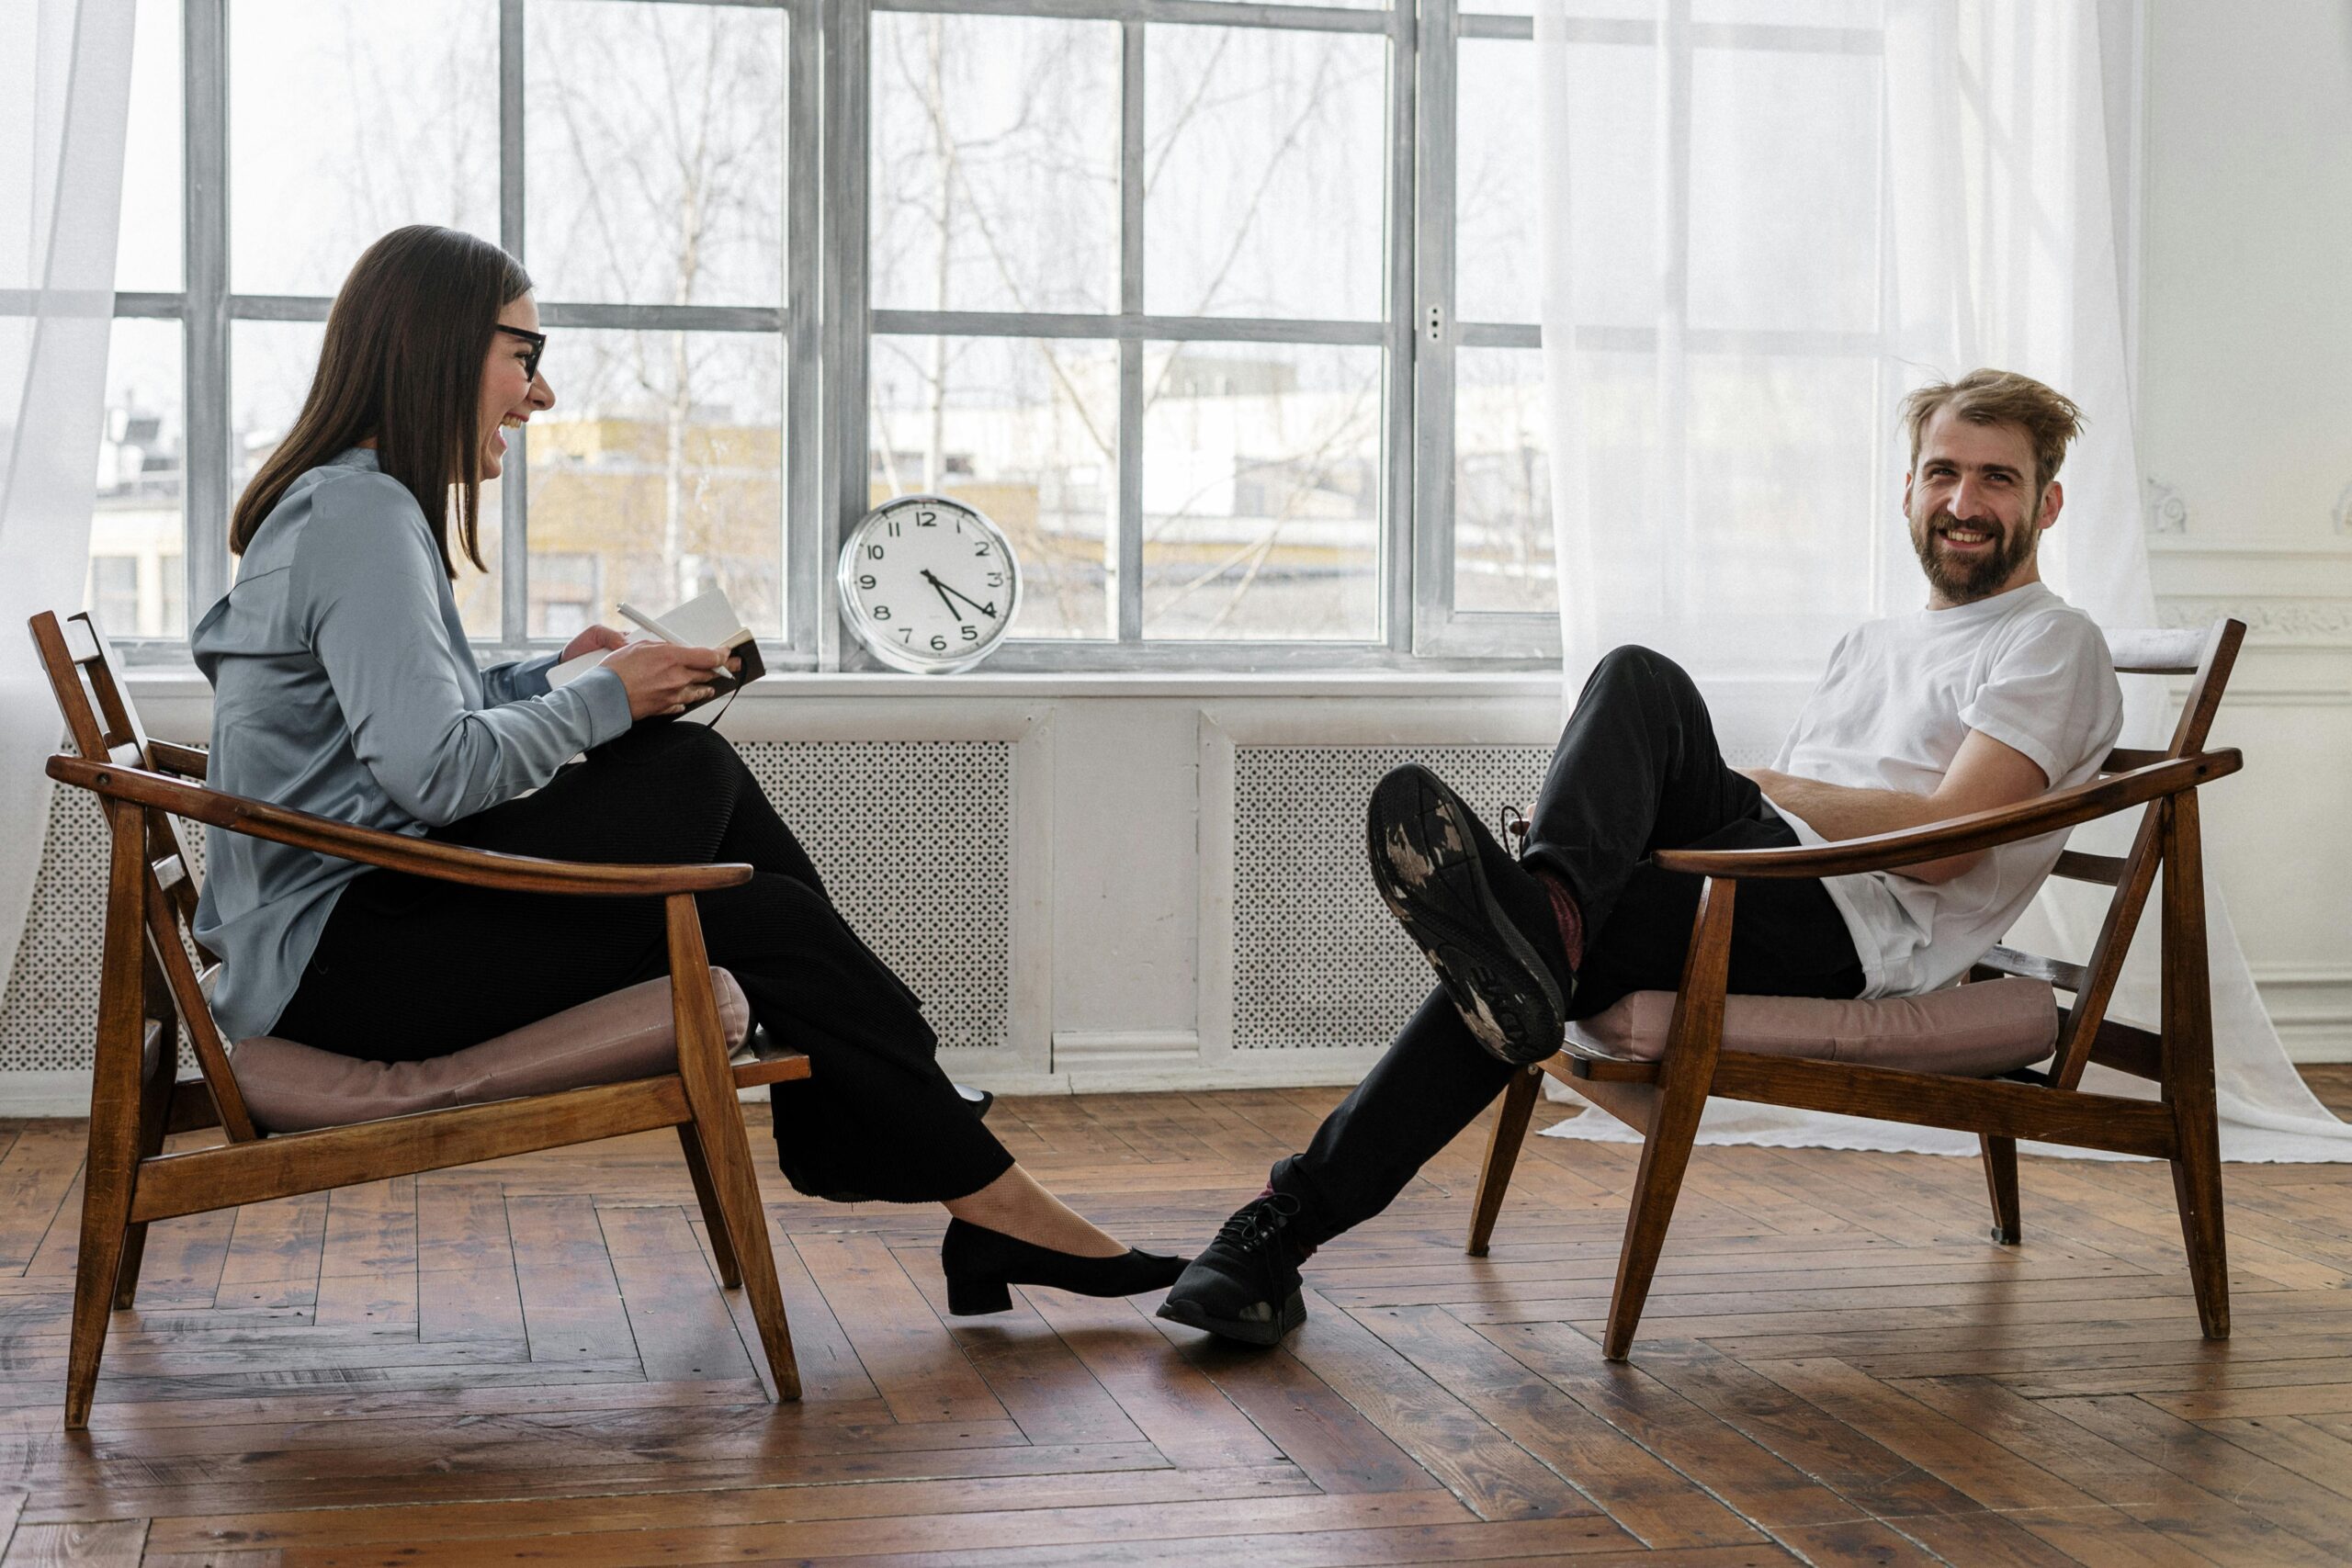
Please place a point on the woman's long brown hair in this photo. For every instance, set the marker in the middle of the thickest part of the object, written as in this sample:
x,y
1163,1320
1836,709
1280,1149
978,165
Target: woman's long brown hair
x,y
402,362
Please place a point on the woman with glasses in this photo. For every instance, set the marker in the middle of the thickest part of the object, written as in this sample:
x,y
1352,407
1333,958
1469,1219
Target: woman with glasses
x,y
343,684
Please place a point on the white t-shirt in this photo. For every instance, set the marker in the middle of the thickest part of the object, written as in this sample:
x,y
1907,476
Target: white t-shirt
x,y
1898,698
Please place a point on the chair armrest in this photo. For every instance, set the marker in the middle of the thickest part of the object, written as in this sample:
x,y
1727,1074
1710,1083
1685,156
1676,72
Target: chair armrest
x,y
1964,835
395,852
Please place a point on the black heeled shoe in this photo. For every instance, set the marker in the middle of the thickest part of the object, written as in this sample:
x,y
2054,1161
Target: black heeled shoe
x,y
981,1265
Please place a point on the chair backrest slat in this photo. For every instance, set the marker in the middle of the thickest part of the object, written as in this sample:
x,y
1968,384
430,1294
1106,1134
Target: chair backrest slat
x,y
104,727
2078,866
2056,972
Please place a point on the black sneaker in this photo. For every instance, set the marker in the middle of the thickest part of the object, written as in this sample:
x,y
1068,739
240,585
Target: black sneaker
x,y
1477,915
1245,1285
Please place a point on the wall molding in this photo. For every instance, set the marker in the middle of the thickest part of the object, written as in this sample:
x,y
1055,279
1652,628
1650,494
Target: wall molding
x,y
2313,621
1123,1050
2310,1006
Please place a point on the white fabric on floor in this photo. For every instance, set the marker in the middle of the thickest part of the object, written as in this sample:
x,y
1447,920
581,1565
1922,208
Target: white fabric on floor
x,y
64,101
1740,281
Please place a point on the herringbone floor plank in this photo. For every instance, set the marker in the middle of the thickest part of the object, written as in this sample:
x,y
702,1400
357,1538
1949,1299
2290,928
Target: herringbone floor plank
x,y
529,1360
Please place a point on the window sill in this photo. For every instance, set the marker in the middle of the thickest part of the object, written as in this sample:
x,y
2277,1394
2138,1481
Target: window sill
x,y
164,682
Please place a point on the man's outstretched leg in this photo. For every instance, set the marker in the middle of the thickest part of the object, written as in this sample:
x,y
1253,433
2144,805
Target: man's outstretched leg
x,y
1637,766
1432,1083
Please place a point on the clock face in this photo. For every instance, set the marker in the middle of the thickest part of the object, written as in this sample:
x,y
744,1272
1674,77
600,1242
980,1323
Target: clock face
x,y
928,584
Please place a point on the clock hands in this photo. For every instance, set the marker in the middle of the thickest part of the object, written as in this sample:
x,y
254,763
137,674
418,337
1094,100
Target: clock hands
x,y
988,609
940,589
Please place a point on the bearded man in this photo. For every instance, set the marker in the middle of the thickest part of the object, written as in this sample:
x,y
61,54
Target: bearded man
x,y
1995,691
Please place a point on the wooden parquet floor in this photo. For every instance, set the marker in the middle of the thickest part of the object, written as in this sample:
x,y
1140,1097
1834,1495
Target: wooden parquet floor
x,y
528,1361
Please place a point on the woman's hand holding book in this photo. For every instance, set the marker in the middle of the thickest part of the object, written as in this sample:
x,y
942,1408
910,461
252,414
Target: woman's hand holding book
x,y
667,677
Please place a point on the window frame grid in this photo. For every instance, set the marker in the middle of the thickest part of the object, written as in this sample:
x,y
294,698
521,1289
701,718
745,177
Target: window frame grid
x,y
1131,327
825,416
207,310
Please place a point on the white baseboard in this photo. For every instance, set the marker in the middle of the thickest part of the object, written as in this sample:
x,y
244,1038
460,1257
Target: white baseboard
x,y
2311,1007
1125,1050
63,1092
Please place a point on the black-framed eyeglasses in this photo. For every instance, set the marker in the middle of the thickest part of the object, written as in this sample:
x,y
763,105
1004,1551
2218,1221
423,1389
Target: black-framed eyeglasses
x,y
538,341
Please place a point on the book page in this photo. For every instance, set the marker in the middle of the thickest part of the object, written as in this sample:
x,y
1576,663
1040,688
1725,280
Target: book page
x,y
706,620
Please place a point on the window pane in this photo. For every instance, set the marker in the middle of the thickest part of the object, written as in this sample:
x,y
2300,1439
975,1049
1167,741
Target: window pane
x,y
138,533
1575,10
1612,140
270,367
1789,498
1784,182
1503,483
1791,13
995,164
656,152
659,474
1348,4
1265,167
1798,524
1026,431
1498,265
1262,491
147,248
350,120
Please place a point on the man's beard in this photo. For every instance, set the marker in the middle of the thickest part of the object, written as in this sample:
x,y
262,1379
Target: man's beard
x,y
1963,580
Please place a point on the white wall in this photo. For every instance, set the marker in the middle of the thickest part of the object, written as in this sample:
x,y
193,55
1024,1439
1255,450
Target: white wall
x,y
2245,425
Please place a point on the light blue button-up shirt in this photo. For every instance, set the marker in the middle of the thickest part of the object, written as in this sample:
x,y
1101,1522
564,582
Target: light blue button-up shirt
x,y
343,684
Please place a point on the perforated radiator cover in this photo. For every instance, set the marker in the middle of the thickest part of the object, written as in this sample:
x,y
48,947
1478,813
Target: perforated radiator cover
x,y
913,838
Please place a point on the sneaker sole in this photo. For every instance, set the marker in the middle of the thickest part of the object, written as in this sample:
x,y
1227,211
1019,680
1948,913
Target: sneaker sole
x,y
1294,1313
1425,861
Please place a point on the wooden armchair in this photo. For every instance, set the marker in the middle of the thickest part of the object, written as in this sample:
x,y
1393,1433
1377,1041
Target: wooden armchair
x,y
1664,1097
154,980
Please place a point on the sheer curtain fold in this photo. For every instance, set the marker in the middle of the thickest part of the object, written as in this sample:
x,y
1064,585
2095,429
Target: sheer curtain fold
x,y
1735,297
64,101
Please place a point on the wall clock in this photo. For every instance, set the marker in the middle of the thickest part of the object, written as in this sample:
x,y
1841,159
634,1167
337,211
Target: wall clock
x,y
928,584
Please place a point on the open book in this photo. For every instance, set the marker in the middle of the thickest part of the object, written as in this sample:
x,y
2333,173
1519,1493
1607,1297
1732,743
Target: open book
x,y
708,620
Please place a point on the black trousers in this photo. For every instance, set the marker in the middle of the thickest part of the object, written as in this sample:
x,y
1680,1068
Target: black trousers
x,y
1637,769
408,967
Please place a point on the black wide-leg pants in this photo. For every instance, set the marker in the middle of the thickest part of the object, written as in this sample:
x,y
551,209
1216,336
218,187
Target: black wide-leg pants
x,y
1637,769
408,967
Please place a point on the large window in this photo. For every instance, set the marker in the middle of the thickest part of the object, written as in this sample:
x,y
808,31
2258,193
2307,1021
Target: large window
x,y
1226,313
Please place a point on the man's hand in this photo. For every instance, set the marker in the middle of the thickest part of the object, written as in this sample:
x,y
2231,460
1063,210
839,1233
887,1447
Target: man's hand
x,y
667,677
1985,775
590,641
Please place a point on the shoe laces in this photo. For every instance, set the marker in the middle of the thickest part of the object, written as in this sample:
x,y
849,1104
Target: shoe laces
x,y
1512,821
1254,1225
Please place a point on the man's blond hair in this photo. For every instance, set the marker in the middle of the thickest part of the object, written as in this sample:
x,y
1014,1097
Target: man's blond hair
x,y
2050,419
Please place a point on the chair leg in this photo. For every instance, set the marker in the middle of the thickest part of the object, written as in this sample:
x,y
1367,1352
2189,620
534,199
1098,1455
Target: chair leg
x,y
155,1119
2188,1066
722,1249
1665,1156
2197,1188
1511,1114
718,1125
737,1192
2001,1181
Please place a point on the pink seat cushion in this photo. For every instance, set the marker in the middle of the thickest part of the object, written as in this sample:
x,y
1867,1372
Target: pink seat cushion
x,y
628,1035
1975,1030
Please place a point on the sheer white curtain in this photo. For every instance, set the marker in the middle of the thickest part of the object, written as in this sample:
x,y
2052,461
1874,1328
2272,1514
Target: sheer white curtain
x,y
64,97
1758,237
